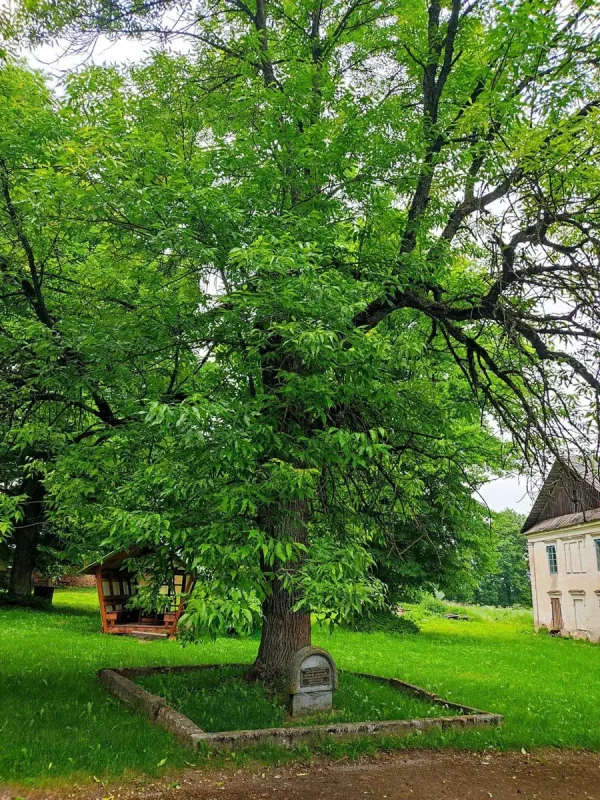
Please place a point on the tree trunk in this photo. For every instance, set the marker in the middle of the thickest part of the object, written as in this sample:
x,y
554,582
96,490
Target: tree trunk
x,y
284,631
27,534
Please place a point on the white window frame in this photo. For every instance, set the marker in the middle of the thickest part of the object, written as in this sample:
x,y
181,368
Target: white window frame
x,y
551,548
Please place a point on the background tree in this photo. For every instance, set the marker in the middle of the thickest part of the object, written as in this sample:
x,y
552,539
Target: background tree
x,y
508,584
27,127
381,194
87,339
448,547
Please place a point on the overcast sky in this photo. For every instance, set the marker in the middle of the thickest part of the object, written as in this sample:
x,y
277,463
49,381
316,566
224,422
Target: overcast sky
x,y
499,494
507,493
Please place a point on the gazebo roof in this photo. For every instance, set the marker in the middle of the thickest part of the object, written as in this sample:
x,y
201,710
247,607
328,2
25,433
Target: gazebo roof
x,y
114,560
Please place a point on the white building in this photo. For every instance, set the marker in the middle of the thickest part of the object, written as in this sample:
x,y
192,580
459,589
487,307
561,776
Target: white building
x,y
563,532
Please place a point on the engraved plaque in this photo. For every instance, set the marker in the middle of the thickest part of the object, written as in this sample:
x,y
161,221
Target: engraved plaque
x,y
315,676
312,681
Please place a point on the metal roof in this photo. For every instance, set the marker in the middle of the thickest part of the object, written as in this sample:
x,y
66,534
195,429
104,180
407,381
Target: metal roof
x,y
583,470
566,521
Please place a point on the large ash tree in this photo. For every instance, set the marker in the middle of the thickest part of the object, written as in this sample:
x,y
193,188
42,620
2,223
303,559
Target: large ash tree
x,y
392,208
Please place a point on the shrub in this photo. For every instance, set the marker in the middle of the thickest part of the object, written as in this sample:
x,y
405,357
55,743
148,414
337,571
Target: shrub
x,y
383,622
433,606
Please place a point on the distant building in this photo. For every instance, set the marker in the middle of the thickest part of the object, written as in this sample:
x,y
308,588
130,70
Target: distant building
x,y
563,532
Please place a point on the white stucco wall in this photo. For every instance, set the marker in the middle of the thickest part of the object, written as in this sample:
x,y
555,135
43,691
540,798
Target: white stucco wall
x,y
577,583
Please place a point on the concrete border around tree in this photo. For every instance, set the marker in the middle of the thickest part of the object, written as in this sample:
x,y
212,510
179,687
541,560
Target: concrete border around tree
x,y
155,708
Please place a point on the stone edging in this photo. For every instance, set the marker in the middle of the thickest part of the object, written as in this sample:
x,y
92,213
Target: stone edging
x,y
118,682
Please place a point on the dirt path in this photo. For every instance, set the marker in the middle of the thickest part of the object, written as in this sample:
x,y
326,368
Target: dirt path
x,y
547,775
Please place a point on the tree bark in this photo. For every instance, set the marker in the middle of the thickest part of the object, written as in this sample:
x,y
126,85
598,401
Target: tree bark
x,y
27,534
284,631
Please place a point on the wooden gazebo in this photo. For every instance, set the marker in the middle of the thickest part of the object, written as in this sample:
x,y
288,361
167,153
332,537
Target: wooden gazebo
x,y
117,584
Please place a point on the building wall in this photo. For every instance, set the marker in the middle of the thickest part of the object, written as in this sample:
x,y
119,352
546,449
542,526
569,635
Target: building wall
x,y
75,581
66,581
576,585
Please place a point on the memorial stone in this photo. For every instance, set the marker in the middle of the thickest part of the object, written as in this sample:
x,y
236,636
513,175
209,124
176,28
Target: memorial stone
x,y
313,679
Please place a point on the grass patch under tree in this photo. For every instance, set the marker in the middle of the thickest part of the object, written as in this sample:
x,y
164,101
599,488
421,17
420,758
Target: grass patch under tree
x,y
56,721
221,700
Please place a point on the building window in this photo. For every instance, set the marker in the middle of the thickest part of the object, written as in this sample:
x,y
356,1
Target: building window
x,y
552,562
573,557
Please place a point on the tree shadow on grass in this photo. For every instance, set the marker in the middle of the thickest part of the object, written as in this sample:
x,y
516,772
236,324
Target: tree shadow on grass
x,y
44,608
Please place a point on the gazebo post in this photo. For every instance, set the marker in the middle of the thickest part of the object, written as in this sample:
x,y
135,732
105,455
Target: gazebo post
x,y
187,588
101,600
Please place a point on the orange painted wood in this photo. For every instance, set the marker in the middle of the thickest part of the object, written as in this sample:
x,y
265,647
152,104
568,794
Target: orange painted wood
x,y
101,600
131,627
189,585
111,619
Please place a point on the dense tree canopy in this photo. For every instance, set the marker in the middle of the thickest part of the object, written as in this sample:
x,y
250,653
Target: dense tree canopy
x,y
78,356
323,259
503,578
508,584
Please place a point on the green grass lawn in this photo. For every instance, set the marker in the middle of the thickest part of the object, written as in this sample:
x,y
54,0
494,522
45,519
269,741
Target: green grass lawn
x,y
56,722
221,700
